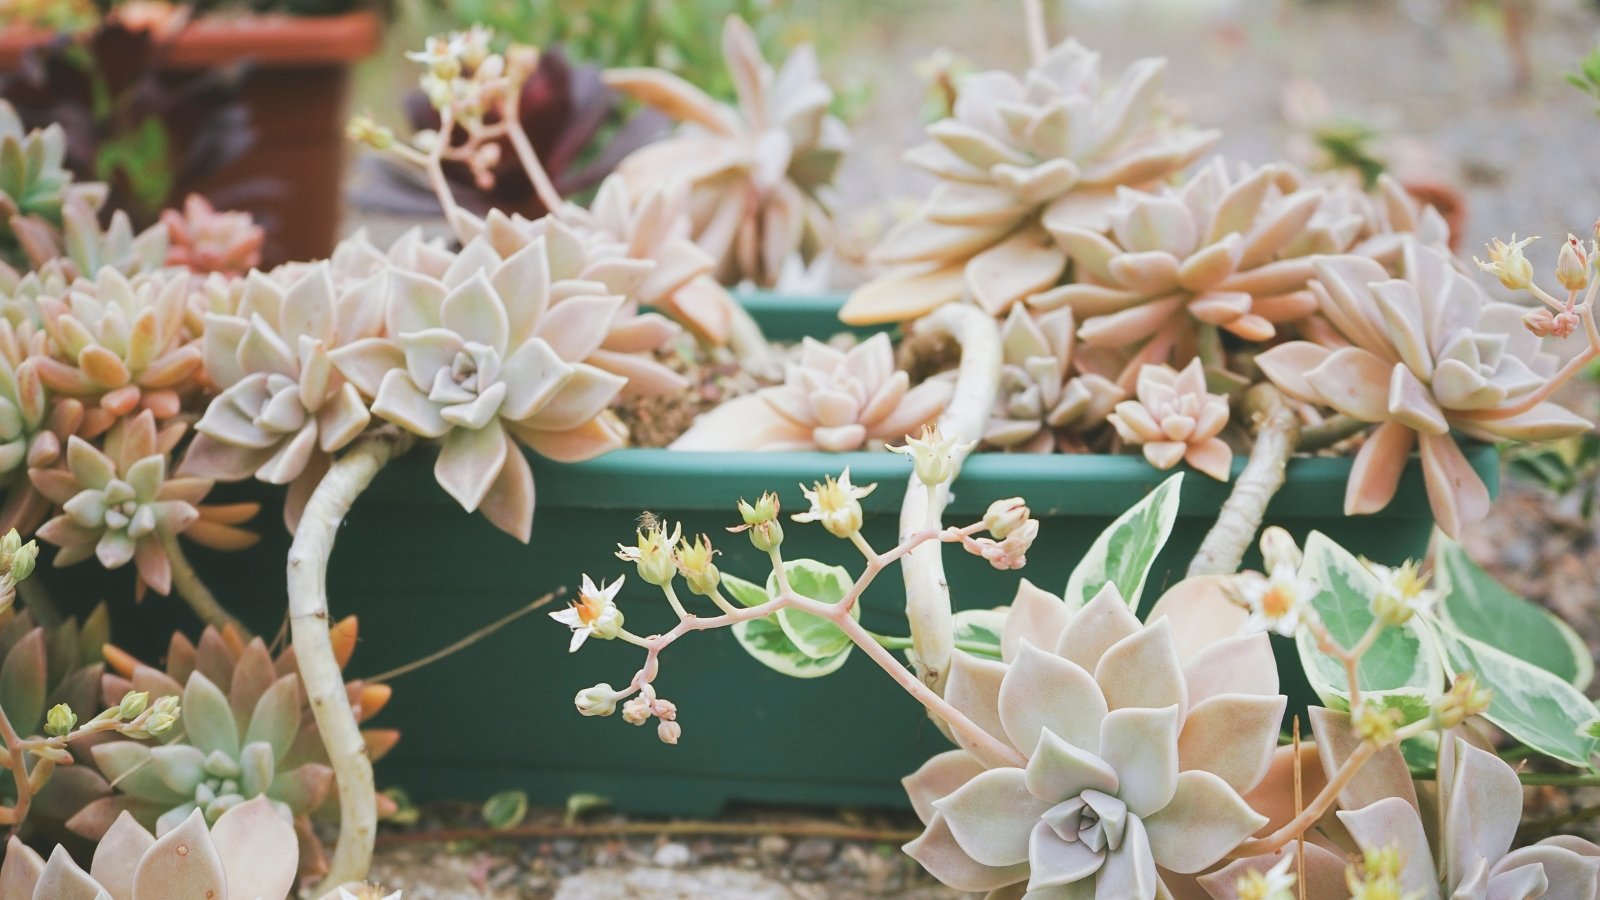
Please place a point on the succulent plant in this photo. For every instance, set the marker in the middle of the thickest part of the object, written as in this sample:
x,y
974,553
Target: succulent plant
x,y
34,181
283,409
249,851
203,240
119,342
1139,741
489,355
1176,418
44,667
584,261
1428,353
1045,404
758,174
33,428
81,247
1022,158
119,505
831,399
1226,252
244,673
1479,798
654,225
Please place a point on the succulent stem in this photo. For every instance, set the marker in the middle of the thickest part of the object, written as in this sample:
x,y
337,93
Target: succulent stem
x,y
1038,39
187,582
319,669
17,762
1277,435
1327,433
977,386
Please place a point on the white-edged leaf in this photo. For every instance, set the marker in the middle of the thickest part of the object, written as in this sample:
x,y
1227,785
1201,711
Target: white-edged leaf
x,y
1536,707
1481,608
815,636
1402,660
1123,554
766,640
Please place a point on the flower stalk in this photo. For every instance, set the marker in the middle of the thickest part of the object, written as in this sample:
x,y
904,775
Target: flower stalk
x,y
1277,436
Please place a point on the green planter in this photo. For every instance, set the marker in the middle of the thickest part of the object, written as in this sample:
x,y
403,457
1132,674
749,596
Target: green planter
x,y
421,573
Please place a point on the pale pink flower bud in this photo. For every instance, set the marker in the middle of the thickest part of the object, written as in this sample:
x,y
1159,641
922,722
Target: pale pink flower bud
x,y
1005,516
669,732
1572,265
666,709
636,711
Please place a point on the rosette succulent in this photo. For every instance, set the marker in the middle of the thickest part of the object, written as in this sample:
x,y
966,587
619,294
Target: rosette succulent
x,y
1429,353
120,342
654,225
757,174
488,356
1468,855
1226,252
203,240
249,851
81,247
223,760
831,399
34,181
1045,403
1019,159
118,505
1175,418
1138,744
283,409
33,428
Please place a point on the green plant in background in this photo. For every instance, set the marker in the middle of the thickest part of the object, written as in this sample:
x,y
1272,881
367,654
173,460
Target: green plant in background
x,y
675,35
1587,77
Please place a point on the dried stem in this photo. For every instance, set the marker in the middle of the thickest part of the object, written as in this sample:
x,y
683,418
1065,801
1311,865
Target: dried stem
x,y
928,610
319,669
187,582
1331,431
468,641
1277,435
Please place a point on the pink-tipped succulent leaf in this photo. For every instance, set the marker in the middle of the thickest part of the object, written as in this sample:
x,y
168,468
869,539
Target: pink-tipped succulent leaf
x,y
204,240
1045,404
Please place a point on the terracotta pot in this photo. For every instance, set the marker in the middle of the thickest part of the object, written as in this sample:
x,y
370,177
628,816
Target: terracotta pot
x,y
296,93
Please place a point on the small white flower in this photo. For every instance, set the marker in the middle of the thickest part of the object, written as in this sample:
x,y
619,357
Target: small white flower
x,y
933,455
1402,592
1276,883
836,504
593,613
1279,602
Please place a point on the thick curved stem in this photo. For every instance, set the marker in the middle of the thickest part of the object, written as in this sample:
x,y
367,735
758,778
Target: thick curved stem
x,y
1038,40
1277,435
977,385
319,670
187,582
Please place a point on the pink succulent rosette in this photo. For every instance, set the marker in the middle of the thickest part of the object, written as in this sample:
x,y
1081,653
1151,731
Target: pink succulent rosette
x,y
204,240
1045,402
1429,354
1139,743
1175,418
831,399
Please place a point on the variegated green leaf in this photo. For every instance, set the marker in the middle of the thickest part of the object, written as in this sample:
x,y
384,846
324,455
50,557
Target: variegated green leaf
x,y
815,636
1124,553
1540,709
978,631
767,641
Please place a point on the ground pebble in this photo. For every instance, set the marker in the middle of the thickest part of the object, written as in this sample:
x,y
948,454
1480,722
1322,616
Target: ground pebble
x,y
671,856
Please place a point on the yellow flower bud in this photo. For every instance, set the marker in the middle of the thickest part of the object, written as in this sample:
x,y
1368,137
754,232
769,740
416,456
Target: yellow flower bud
x,y
133,703
1572,265
694,562
599,700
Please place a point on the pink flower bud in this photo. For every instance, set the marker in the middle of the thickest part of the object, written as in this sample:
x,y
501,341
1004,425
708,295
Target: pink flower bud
x,y
669,732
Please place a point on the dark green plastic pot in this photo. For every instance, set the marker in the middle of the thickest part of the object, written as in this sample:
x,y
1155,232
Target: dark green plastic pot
x,y
421,573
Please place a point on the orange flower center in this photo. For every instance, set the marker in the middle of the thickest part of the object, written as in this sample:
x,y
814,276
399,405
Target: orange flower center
x,y
589,608
1277,602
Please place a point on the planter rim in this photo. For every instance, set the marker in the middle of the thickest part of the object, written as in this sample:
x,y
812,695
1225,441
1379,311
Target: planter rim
x,y
638,479
273,41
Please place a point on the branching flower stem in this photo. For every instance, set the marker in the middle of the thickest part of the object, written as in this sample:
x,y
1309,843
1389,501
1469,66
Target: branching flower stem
x,y
839,615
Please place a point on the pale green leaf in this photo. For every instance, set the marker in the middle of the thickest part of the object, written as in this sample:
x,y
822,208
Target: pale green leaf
x,y
1123,554
1481,608
1402,660
815,636
1532,705
505,810
978,631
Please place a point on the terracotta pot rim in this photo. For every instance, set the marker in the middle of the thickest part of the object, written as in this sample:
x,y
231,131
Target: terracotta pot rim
x,y
271,41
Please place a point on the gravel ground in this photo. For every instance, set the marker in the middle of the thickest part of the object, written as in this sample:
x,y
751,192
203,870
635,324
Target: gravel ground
x,y
1431,75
